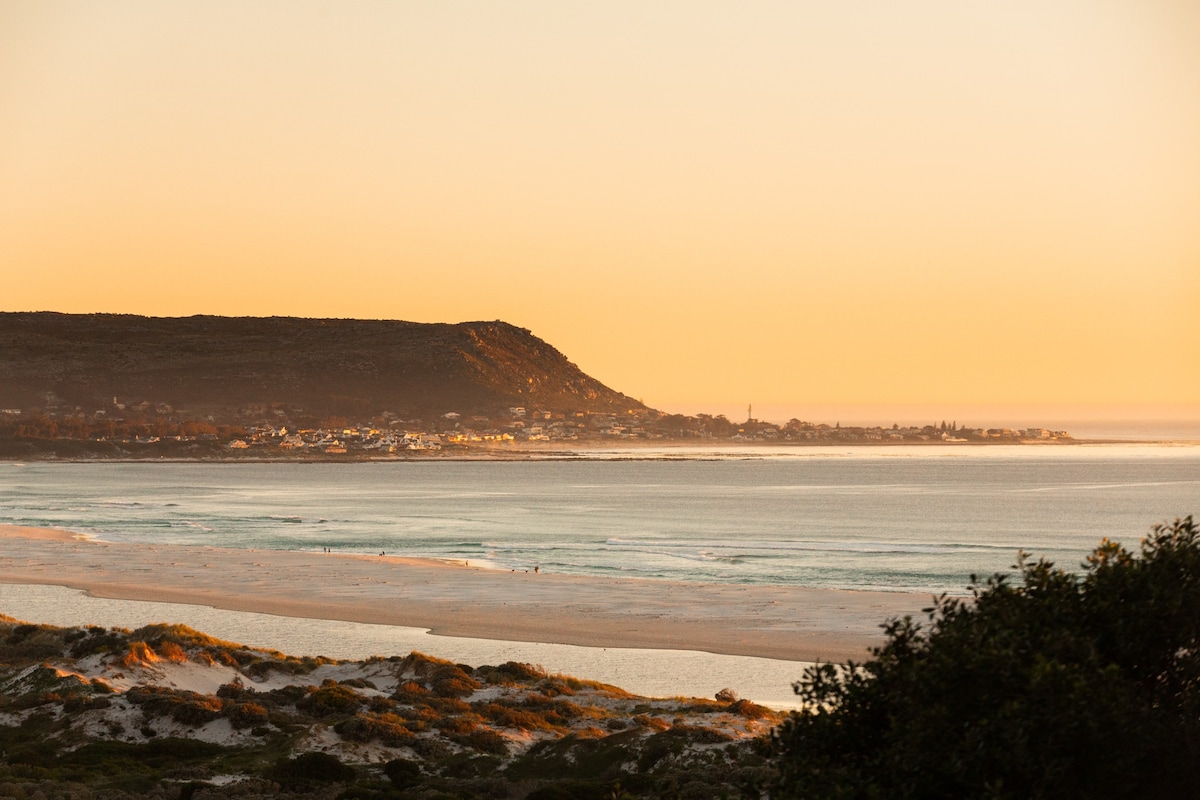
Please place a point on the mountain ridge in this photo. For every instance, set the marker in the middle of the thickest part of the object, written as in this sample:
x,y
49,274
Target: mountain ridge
x,y
352,367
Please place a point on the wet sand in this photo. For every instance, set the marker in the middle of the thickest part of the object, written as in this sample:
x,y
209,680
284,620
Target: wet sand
x,y
451,599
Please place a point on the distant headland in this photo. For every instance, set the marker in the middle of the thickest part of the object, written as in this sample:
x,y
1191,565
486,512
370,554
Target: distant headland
x,y
125,386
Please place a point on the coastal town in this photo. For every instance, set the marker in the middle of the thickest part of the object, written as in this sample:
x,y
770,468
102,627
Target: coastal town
x,y
281,431
520,426
294,388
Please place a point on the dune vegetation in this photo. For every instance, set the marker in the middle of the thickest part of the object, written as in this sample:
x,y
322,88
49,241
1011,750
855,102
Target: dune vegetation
x,y
166,711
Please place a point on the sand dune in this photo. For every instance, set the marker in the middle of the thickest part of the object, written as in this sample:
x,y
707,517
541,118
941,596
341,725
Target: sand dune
x,y
461,600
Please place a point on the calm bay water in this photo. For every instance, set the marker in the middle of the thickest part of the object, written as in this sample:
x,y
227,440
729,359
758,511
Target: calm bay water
x,y
900,519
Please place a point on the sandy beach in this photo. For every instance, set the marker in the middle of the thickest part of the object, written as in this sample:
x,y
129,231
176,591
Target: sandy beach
x,y
461,600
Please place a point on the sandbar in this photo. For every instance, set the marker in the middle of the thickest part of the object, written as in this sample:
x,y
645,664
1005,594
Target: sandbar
x,y
457,599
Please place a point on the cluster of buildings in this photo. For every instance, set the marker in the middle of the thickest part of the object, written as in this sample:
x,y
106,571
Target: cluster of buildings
x,y
277,429
389,434
335,442
915,434
518,425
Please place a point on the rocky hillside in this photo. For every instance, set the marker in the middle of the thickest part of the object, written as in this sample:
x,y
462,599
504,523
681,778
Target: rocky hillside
x,y
167,712
221,365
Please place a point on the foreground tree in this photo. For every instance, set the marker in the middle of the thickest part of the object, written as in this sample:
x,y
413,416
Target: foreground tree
x,y
1067,685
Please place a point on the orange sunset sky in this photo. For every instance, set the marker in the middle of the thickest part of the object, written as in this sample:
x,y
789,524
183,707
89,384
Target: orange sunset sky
x,y
805,205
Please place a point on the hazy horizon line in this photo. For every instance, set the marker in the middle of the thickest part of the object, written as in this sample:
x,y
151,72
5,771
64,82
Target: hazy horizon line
x,y
970,414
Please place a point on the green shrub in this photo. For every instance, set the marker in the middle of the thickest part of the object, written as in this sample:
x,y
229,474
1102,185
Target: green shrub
x,y
309,768
457,725
381,705
512,672
403,773
487,741
197,712
452,681
98,640
246,715
389,729
32,642
159,632
697,734
233,691
439,676
506,716
76,703
1066,686
749,710
332,699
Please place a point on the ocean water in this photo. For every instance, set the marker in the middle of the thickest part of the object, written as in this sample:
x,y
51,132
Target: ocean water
x,y
900,519
893,519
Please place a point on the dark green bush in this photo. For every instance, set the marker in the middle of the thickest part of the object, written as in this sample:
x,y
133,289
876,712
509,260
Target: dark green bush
x,y
487,741
310,768
749,710
512,672
403,774
197,712
246,715
334,699
1066,686
388,729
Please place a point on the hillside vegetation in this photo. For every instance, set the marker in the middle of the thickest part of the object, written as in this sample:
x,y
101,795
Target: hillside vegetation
x,y
206,365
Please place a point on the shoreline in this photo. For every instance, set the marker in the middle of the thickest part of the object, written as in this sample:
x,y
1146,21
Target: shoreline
x,y
448,599
619,450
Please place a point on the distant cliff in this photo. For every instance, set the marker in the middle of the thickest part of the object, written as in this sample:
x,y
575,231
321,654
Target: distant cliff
x,y
222,365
